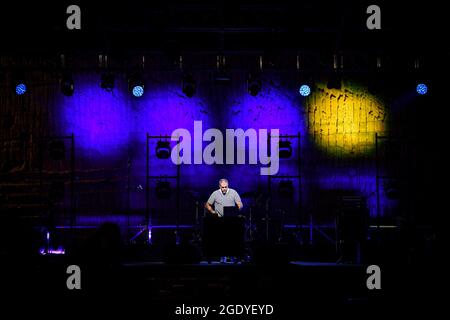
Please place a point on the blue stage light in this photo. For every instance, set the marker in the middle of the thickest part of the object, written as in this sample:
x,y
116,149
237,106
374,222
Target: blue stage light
x,y
21,88
136,85
107,81
304,90
189,85
67,85
254,84
138,91
422,88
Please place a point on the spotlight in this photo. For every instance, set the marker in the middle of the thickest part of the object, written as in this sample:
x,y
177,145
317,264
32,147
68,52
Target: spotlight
x,y
334,82
136,85
107,81
19,83
306,82
57,149
254,84
392,189
375,85
378,81
163,149
138,91
285,149
189,85
222,78
21,89
66,85
304,90
422,89
163,190
286,189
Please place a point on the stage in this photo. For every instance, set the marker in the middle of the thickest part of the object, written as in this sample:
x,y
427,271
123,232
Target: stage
x,y
206,159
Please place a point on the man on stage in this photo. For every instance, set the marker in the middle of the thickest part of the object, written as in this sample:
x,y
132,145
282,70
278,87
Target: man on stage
x,y
223,197
224,237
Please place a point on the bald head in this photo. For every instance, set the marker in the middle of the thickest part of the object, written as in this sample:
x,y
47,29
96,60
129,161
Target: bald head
x,y
223,185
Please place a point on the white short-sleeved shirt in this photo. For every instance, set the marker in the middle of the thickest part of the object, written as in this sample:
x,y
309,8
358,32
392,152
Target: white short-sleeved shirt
x,y
220,200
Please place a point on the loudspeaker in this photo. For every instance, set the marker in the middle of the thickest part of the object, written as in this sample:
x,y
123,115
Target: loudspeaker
x,y
352,228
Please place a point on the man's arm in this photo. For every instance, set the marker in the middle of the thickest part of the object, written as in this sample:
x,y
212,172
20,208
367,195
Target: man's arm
x,y
208,204
238,201
209,208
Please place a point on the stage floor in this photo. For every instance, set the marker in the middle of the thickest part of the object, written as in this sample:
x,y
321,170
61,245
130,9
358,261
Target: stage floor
x,y
288,286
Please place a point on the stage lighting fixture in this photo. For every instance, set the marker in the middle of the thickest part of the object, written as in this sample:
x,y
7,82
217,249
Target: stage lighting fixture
x,y
66,85
138,91
334,81
222,78
21,89
285,149
422,89
163,149
163,190
305,81
376,84
107,81
392,189
254,84
304,90
286,189
189,85
136,85
20,86
57,149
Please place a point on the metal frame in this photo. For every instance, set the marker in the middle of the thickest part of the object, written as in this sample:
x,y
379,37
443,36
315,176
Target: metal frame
x,y
72,210
298,176
148,177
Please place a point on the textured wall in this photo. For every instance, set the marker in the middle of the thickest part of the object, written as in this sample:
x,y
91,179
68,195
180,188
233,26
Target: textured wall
x,y
337,129
344,122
